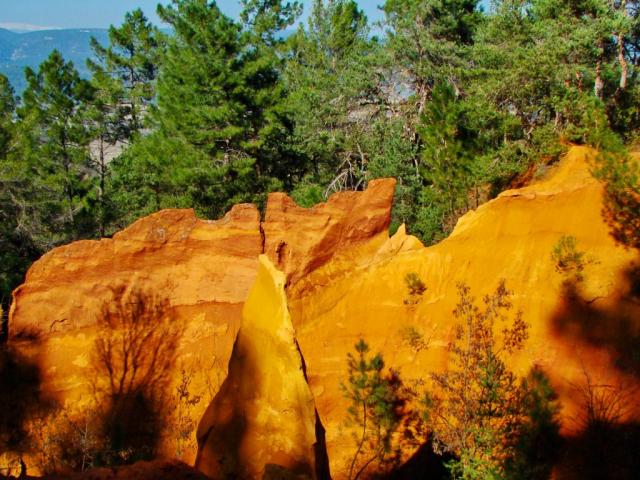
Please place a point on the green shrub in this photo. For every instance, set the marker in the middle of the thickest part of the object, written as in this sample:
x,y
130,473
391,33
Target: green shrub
x,y
568,259
415,288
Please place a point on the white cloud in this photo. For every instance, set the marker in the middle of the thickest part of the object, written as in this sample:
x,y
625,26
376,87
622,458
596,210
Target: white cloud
x,y
25,27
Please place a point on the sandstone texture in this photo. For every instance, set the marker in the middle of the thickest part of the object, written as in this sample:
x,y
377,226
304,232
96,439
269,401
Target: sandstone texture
x,y
299,240
202,270
576,328
344,279
263,415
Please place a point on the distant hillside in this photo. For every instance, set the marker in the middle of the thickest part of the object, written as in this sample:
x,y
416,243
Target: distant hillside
x,y
20,50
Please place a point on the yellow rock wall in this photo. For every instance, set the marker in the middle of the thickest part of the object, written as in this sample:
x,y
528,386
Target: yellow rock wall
x,y
344,280
361,294
263,417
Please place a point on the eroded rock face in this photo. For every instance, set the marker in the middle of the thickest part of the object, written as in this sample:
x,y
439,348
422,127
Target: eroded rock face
x,y
299,240
589,326
201,270
344,280
263,417
193,261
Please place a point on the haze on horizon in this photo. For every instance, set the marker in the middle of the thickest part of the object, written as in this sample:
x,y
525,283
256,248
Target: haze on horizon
x,y
33,15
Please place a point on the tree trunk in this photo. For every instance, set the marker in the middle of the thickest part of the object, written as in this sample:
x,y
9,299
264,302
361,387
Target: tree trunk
x,y
624,67
103,174
598,86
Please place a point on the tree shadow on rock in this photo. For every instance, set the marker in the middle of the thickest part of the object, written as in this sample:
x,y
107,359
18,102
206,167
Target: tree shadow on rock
x,y
614,328
134,355
223,427
538,442
424,463
21,398
607,425
608,434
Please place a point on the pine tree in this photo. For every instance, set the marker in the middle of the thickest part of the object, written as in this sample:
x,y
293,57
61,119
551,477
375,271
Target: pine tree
x,y
264,21
132,60
7,111
16,252
447,161
109,132
220,130
333,80
203,122
124,76
53,149
430,39
373,411
477,408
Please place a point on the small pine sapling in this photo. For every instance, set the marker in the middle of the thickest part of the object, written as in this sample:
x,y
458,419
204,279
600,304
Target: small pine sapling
x,y
415,288
373,414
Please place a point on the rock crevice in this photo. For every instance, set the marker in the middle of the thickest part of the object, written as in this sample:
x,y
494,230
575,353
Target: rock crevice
x,y
263,419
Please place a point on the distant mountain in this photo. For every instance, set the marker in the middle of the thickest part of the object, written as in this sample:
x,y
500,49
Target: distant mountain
x,y
30,49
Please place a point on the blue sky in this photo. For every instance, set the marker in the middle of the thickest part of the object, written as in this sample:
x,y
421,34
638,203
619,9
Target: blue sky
x,y
38,14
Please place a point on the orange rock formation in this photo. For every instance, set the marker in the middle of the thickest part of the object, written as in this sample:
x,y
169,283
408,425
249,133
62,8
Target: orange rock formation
x,y
344,280
590,326
203,269
299,240
263,416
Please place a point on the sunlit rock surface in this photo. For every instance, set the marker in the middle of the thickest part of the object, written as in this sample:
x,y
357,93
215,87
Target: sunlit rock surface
x,y
264,415
575,327
299,240
344,280
202,269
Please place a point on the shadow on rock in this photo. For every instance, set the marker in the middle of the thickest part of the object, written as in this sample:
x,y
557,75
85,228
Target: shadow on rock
x,y
615,328
134,355
21,398
608,419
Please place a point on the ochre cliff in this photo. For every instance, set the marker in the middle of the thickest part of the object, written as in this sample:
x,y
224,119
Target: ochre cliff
x,y
344,280
576,328
263,416
299,240
201,270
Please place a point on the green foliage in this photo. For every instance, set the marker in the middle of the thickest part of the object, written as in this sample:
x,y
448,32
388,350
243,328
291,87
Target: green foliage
x,y
373,413
431,39
477,408
48,169
264,18
307,194
7,108
220,128
447,156
568,259
413,338
415,288
325,77
621,174
127,69
15,254
539,442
